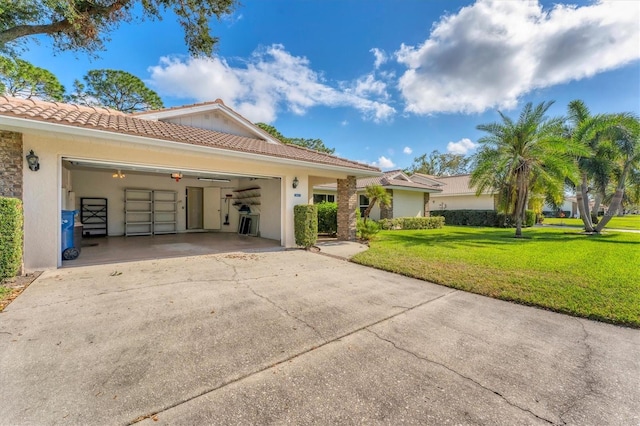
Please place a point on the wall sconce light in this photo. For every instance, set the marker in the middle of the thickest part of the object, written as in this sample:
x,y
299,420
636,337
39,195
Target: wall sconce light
x,y
33,161
295,182
176,176
118,174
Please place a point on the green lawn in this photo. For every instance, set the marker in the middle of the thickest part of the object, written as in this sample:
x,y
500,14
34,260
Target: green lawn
x,y
618,222
595,277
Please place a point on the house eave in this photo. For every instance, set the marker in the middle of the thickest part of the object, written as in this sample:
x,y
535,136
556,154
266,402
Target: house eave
x,y
24,125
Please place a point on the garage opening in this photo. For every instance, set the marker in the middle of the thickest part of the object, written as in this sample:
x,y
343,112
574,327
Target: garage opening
x,y
136,212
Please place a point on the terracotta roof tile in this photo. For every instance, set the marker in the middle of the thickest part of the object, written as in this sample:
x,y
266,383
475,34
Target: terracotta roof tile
x,y
117,122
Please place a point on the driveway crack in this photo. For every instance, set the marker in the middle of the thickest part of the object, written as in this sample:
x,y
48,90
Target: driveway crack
x,y
280,308
446,367
589,388
290,358
286,311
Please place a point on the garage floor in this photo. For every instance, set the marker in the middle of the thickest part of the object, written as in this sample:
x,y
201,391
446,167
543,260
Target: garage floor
x,y
96,251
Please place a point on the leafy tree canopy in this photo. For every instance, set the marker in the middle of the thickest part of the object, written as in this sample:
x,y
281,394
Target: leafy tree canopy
x,y
24,80
83,25
315,144
115,89
439,164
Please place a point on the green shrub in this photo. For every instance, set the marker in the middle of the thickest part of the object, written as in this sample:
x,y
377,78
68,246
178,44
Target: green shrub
x,y
483,218
413,223
305,218
529,218
366,230
327,218
469,217
10,237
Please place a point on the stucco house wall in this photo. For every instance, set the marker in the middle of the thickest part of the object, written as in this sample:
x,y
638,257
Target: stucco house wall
x,y
408,203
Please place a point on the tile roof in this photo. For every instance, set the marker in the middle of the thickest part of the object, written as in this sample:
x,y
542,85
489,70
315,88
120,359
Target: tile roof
x,y
457,185
108,120
387,179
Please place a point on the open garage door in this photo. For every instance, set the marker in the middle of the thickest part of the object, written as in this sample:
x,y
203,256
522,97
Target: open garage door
x,y
146,212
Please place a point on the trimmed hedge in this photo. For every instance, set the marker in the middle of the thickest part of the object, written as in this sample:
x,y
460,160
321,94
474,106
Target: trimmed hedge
x,y
327,218
470,217
305,219
10,237
413,223
483,218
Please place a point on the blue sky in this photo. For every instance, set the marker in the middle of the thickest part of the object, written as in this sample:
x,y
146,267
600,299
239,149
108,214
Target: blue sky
x,y
385,81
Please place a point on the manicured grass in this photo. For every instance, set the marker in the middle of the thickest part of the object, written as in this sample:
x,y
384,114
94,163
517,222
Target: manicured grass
x,y
596,277
618,222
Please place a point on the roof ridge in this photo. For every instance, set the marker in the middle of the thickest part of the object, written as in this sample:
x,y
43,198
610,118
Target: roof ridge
x,y
63,105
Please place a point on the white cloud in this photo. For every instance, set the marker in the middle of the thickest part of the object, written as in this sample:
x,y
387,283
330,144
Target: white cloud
x,y
491,53
407,150
462,147
367,85
270,80
384,163
344,123
380,55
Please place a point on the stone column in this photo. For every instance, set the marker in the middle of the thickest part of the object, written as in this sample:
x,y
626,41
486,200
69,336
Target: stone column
x,y
11,184
386,212
427,208
347,204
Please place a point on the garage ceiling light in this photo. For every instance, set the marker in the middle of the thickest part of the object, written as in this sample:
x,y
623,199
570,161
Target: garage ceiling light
x,y
204,179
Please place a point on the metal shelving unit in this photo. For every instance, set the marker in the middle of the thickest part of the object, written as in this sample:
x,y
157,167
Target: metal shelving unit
x,y
138,212
165,212
93,215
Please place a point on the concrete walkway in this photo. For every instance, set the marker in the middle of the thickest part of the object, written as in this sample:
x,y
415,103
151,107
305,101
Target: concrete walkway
x,y
296,337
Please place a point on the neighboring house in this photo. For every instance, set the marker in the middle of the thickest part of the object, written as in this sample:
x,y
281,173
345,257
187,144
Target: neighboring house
x,y
408,198
456,193
191,166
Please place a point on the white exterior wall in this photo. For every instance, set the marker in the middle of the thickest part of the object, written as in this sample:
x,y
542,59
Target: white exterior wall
x,y
212,121
43,194
462,202
408,203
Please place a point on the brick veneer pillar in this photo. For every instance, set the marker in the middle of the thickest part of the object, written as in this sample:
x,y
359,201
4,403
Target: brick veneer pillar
x,y
347,204
11,160
427,209
386,212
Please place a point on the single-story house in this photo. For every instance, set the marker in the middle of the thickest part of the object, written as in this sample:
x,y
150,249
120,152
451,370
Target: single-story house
x,y
194,168
408,198
456,193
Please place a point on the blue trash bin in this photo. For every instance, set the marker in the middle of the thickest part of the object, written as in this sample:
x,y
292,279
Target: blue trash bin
x,y
69,251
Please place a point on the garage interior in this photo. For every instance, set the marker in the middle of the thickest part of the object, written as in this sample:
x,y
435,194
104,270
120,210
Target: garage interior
x,y
136,212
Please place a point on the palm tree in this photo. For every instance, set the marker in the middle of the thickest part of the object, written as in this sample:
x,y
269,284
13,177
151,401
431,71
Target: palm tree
x,y
626,138
516,155
597,163
375,194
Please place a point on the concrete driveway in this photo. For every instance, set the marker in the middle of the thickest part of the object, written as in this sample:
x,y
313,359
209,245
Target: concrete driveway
x,y
300,338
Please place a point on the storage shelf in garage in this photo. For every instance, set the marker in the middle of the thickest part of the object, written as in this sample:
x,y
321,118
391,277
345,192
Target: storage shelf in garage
x,y
165,212
93,215
138,218
247,197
